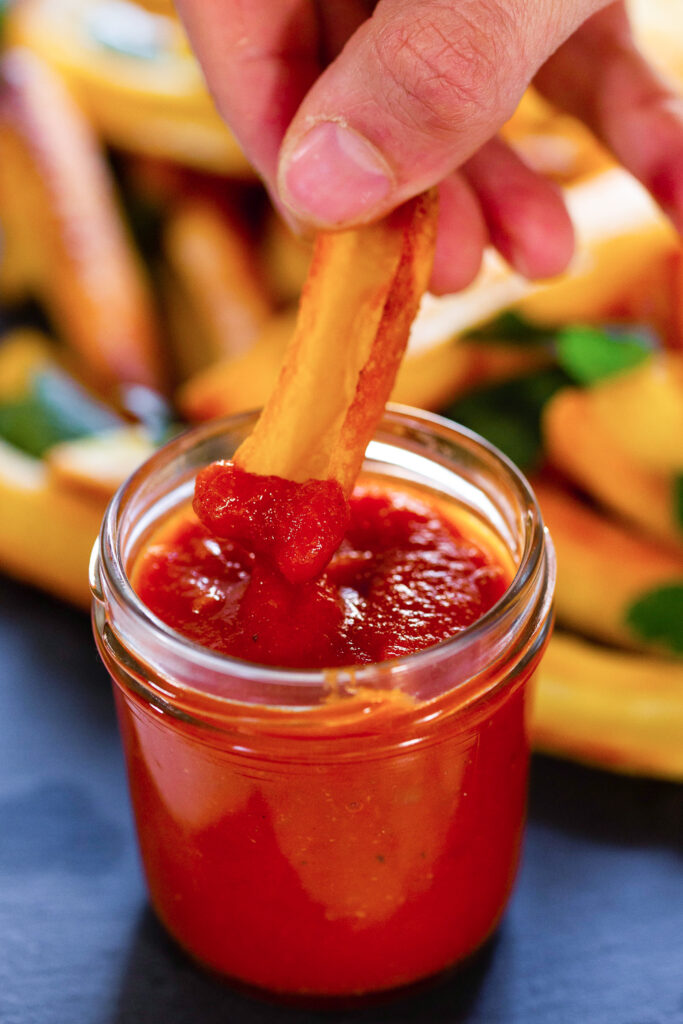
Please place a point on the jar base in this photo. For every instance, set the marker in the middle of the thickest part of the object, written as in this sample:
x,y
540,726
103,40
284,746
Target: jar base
x,y
467,974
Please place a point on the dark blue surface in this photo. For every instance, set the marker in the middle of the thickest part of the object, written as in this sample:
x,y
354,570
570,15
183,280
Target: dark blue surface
x,y
594,934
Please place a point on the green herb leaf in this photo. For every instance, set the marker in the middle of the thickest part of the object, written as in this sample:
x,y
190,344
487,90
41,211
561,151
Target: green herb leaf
x,y
55,409
658,616
512,327
678,501
590,354
508,414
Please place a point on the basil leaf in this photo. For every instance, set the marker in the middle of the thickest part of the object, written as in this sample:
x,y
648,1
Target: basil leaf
x,y
658,616
511,327
590,354
508,414
55,409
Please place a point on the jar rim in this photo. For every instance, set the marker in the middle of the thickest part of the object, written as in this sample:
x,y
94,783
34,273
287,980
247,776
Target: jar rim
x,y
107,556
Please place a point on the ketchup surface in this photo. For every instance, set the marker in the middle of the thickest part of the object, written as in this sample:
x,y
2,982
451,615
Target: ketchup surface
x,y
404,577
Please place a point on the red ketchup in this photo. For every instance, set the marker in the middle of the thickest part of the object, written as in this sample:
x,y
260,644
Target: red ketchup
x,y
360,844
252,579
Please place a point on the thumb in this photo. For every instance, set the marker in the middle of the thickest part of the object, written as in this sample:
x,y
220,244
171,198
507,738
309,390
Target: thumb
x,y
417,89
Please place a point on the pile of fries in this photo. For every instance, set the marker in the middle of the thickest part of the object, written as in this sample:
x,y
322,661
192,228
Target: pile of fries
x,y
146,284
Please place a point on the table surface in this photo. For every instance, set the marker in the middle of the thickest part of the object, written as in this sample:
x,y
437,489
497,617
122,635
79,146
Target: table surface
x,y
594,932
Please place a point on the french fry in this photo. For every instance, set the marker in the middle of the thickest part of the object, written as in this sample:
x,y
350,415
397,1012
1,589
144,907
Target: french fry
x,y
217,299
609,708
153,102
602,567
308,445
428,377
617,247
555,145
588,455
431,377
62,226
356,310
642,411
240,384
619,232
55,558
95,467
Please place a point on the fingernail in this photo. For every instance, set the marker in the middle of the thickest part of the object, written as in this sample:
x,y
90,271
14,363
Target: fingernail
x,y
334,176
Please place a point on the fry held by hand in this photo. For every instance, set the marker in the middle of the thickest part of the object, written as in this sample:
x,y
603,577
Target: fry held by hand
x,y
359,301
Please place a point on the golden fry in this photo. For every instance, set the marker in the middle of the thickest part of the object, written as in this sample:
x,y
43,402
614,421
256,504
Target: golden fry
x,y
46,532
359,301
97,466
642,411
608,708
603,566
217,300
63,228
240,384
578,445
153,102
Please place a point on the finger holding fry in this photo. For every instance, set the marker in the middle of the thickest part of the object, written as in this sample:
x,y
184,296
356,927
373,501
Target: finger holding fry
x,y
359,301
227,277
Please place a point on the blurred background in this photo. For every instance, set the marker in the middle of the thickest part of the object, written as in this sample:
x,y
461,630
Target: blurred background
x,y
146,284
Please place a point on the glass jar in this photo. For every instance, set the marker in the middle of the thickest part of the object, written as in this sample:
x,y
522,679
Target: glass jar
x,y
330,832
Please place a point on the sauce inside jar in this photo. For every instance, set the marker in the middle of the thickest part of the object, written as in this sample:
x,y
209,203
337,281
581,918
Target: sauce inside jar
x,y
406,575
357,845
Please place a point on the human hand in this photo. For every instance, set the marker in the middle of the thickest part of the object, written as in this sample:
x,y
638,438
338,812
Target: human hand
x,y
347,108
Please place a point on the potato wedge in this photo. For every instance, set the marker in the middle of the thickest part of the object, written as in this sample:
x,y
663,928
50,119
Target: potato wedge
x,y
609,708
602,567
620,231
553,144
356,310
642,411
285,493
578,446
239,384
97,466
46,532
62,225
431,376
150,99
655,298
217,300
